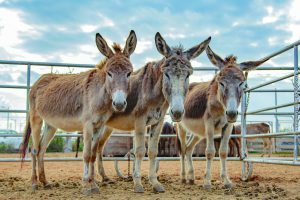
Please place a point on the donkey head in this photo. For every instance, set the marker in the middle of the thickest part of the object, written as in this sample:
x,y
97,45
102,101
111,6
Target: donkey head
x,y
118,69
176,70
230,81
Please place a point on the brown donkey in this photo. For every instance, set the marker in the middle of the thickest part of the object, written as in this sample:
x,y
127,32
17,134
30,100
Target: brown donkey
x,y
79,102
154,88
211,108
255,128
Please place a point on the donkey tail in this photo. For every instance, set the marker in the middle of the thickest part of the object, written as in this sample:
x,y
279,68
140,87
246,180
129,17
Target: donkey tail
x,y
77,146
24,144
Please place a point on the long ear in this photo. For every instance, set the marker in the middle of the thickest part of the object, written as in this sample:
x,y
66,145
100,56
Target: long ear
x,y
161,45
130,44
250,65
214,58
197,50
103,47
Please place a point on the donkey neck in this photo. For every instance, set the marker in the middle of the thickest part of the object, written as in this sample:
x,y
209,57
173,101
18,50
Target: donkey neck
x,y
153,82
215,99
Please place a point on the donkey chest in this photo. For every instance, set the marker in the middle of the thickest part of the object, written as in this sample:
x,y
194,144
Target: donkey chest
x,y
154,115
198,126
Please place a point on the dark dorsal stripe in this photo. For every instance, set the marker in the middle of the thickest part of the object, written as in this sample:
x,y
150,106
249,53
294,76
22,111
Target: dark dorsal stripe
x,y
196,105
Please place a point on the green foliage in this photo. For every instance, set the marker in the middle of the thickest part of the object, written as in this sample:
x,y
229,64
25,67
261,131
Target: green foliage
x,y
74,146
6,148
56,145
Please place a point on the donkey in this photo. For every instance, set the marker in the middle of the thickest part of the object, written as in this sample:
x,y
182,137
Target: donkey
x,y
212,108
78,102
154,88
255,128
167,143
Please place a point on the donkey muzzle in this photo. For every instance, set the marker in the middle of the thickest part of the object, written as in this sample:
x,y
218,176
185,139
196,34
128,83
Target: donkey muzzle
x,y
232,115
119,102
176,115
177,109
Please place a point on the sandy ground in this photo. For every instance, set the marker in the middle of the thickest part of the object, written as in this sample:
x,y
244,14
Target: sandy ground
x,y
268,182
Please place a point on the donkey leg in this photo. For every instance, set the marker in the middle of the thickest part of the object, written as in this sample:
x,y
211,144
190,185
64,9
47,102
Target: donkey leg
x,y
101,144
36,125
210,154
88,175
189,156
270,145
152,154
223,152
139,155
48,134
182,139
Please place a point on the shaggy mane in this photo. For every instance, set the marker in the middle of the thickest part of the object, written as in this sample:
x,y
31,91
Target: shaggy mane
x,y
101,64
117,48
230,59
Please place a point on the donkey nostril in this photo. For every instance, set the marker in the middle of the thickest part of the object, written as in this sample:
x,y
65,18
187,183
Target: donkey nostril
x,y
114,103
124,103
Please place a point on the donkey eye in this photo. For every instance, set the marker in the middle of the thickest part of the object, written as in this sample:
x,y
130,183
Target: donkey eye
x,y
222,84
109,74
128,74
167,75
187,77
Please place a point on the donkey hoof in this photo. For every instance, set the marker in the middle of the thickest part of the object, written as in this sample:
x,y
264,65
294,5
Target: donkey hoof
x,y
108,181
183,180
138,189
228,186
159,188
207,186
34,187
48,186
191,182
95,190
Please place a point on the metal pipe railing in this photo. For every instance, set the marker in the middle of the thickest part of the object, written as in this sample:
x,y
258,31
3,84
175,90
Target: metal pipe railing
x,y
270,82
272,108
51,64
265,135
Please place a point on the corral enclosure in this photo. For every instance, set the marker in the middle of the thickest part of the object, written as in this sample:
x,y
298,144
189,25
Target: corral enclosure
x,y
39,37
282,182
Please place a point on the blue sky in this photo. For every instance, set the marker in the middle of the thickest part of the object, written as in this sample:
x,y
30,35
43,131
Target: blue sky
x,y
64,31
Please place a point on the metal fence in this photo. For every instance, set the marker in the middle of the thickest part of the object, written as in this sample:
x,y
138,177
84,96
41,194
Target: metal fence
x,y
247,161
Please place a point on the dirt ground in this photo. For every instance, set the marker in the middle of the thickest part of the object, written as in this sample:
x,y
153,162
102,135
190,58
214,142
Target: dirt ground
x,y
267,182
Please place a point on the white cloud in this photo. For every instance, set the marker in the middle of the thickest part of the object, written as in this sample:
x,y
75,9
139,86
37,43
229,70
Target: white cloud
x,y
234,24
196,63
105,21
13,28
149,59
88,28
253,44
272,16
273,40
143,45
175,36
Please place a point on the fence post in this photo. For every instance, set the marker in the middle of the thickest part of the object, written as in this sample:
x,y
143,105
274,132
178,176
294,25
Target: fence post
x,y
244,131
28,89
296,99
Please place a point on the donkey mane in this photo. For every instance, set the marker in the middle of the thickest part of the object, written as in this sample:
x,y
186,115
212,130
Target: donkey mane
x,y
101,64
117,48
231,59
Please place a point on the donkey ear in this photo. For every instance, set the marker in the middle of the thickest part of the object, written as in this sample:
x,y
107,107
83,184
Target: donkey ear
x,y
197,50
161,45
251,65
103,47
214,58
130,44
